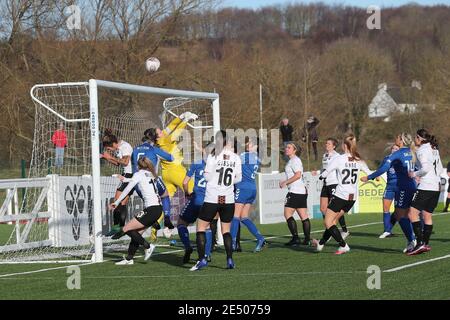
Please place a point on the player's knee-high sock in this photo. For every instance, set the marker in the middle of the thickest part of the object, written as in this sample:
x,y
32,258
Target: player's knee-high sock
x,y
252,228
343,224
165,202
427,230
116,214
213,227
447,203
292,225
418,231
422,223
238,237
183,232
393,220
234,229
137,237
325,237
406,226
123,216
227,241
387,222
201,243
307,229
132,248
208,245
334,231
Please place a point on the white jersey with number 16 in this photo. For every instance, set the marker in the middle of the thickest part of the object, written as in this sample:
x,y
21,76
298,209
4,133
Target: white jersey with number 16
x,y
221,173
348,171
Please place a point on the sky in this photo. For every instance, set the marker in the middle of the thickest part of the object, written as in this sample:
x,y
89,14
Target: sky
x,y
362,3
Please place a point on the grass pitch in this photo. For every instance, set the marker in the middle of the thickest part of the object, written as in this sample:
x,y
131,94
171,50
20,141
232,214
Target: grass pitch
x,y
277,272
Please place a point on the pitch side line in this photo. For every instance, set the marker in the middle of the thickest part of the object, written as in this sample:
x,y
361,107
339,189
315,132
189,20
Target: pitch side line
x,y
43,270
406,266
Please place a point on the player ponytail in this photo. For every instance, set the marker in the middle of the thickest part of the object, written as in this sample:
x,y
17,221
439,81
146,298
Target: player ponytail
x,y
433,141
427,137
350,143
109,138
221,142
144,163
408,141
150,135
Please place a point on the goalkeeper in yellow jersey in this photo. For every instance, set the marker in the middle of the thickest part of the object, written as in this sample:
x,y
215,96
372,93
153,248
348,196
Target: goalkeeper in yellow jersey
x,y
172,172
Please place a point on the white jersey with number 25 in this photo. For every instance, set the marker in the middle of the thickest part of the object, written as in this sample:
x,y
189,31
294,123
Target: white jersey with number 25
x,y
221,173
347,171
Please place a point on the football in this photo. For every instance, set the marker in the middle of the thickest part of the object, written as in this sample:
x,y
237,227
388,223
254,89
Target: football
x,y
152,64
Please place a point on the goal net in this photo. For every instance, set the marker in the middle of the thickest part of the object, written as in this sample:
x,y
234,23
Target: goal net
x,y
64,213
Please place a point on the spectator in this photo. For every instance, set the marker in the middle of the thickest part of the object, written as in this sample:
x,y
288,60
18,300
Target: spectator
x,y
447,202
59,140
286,134
310,131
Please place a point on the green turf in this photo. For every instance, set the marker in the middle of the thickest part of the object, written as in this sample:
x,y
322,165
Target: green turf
x,y
275,273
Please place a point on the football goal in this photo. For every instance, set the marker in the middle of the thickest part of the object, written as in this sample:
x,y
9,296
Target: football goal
x,y
63,212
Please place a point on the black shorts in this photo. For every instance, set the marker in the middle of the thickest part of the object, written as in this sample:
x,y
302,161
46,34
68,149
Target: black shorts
x,y
337,204
209,210
123,185
149,215
328,191
448,189
425,200
296,201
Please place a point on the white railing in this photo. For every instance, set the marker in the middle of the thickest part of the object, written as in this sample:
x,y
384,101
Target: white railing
x,y
10,211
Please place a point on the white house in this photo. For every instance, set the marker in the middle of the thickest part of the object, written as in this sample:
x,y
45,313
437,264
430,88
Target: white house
x,y
394,99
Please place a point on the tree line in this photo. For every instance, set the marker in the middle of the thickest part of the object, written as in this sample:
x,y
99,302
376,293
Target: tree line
x,y
310,59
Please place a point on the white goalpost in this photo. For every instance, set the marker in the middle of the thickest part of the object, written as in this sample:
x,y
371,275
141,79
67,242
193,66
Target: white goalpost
x,y
64,213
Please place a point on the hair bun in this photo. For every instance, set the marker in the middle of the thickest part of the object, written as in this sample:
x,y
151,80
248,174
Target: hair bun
x,y
108,132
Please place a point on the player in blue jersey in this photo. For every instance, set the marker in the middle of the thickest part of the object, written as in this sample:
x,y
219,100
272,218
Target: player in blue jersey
x,y
148,150
192,208
389,196
403,162
245,195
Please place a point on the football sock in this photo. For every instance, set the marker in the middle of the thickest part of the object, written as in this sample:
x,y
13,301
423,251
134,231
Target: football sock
x,y
334,231
184,235
208,245
342,223
201,243
252,228
238,237
137,237
387,222
417,227
132,248
307,229
422,223
227,241
427,230
393,220
116,214
234,228
447,203
166,206
406,226
292,225
123,215
213,227
325,237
